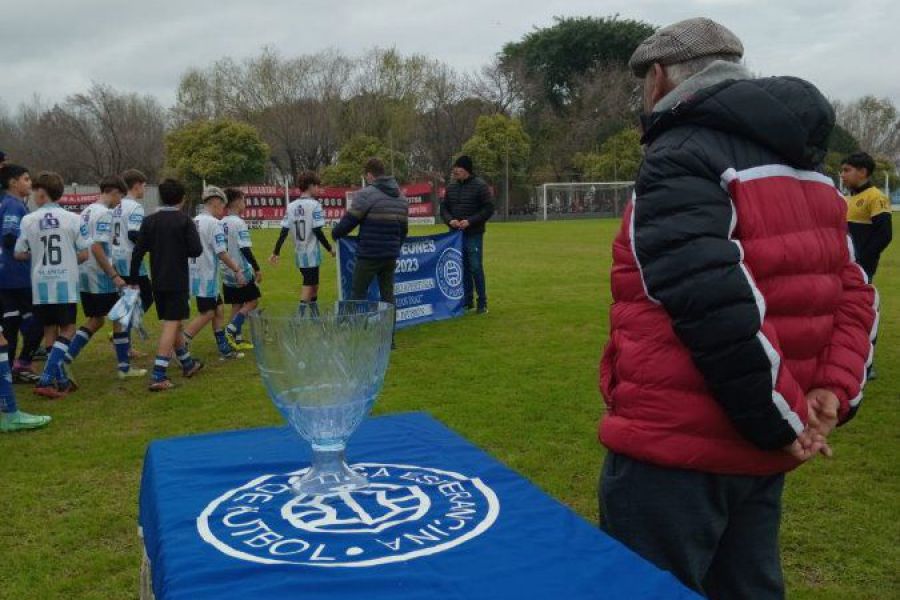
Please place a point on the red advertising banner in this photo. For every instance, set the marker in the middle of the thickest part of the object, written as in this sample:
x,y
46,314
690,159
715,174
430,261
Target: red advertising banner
x,y
76,202
265,205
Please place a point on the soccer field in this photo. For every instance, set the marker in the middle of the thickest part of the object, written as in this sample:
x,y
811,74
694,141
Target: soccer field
x,y
520,382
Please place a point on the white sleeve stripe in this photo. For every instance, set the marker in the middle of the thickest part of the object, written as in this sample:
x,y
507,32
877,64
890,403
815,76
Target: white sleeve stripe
x,y
634,249
873,333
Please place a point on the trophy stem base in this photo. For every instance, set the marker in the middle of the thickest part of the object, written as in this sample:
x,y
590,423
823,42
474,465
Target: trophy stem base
x,y
329,474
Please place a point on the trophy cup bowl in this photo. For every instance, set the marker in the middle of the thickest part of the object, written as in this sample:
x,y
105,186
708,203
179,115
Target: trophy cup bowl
x,y
323,370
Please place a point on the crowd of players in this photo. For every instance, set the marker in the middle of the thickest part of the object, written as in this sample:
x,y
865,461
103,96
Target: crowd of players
x,y
53,259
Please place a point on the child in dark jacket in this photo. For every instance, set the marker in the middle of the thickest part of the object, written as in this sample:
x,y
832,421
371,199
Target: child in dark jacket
x,y
171,239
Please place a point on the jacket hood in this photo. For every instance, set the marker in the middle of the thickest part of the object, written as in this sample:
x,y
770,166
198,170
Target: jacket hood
x,y
785,114
387,185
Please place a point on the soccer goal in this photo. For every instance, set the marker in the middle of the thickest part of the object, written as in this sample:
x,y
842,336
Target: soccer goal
x,y
574,200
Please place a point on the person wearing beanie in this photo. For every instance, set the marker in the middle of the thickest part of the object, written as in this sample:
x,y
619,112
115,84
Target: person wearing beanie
x,y
467,207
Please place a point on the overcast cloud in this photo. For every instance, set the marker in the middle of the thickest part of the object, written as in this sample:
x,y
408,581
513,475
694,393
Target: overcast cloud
x,y
847,48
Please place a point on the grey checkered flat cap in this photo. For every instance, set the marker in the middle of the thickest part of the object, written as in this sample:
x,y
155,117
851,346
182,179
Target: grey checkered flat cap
x,y
684,41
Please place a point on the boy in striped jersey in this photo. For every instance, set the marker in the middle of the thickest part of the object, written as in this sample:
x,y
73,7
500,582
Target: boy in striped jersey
x,y
303,221
55,242
245,298
205,272
126,224
100,281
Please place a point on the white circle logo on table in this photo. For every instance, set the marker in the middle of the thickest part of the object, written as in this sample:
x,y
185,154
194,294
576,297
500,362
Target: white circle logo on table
x,y
449,273
405,513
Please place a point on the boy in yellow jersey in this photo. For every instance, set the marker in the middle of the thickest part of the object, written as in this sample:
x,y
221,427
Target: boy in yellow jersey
x,y
868,216
868,211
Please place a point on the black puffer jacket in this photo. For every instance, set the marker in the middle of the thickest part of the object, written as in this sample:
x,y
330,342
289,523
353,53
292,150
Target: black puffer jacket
x,y
470,200
382,214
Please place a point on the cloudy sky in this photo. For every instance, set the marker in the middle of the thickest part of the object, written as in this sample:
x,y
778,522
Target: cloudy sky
x,y
847,47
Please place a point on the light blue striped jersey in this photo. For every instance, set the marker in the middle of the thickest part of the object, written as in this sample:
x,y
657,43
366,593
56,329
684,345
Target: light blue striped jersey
x,y
237,236
301,217
127,217
54,237
205,268
98,219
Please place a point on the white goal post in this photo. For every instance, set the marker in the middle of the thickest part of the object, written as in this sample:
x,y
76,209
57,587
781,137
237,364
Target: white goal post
x,y
580,199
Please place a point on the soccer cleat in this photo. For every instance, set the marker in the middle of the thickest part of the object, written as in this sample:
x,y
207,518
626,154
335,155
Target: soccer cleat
x,y
67,375
482,310
132,372
39,354
231,355
232,343
25,376
244,345
68,387
196,368
21,421
49,391
162,385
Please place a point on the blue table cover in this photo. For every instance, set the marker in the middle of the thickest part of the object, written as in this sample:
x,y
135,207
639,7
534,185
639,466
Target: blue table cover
x,y
442,519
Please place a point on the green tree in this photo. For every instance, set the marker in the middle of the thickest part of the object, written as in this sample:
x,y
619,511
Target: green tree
x,y
560,54
352,158
222,152
498,138
618,159
842,141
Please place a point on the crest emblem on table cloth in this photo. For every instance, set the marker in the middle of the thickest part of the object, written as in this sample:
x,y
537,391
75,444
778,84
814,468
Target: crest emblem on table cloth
x,y
407,512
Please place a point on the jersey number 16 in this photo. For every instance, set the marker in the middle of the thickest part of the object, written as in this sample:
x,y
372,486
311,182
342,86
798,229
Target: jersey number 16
x,y
52,249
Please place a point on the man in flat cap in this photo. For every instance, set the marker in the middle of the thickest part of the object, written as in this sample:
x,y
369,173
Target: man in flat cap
x,y
741,325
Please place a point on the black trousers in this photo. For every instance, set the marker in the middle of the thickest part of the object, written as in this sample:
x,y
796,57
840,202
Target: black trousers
x,y
717,533
366,270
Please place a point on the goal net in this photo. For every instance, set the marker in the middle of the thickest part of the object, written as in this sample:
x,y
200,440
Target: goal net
x,y
573,200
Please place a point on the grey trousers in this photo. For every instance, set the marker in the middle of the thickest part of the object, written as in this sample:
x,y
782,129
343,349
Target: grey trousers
x,y
718,534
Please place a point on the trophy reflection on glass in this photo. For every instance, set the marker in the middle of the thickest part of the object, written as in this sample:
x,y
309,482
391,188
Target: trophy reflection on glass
x,y
323,370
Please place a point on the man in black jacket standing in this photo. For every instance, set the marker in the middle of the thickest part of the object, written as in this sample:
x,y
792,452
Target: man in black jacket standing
x,y
382,214
467,207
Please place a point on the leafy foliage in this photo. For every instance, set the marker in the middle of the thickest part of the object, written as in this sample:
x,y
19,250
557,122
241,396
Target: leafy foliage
x,y
498,138
222,152
573,46
618,159
352,157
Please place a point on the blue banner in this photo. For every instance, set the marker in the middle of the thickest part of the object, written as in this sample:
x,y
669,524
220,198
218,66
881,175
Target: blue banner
x,y
428,281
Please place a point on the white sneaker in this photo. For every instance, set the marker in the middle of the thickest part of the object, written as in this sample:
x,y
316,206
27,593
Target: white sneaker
x,y
132,372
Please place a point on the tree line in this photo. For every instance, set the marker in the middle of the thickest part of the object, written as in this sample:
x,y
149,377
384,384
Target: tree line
x,y
557,105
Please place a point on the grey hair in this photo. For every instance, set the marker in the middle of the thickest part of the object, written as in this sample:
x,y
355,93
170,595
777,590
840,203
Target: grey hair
x,y
681,72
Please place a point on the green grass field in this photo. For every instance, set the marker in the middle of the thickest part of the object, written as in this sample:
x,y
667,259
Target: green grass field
x,y
519,382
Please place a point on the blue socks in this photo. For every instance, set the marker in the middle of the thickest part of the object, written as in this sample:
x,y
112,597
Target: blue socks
x,y
82,337
122,342
221,342
56,357
7,396
159,368
234,328
184,357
